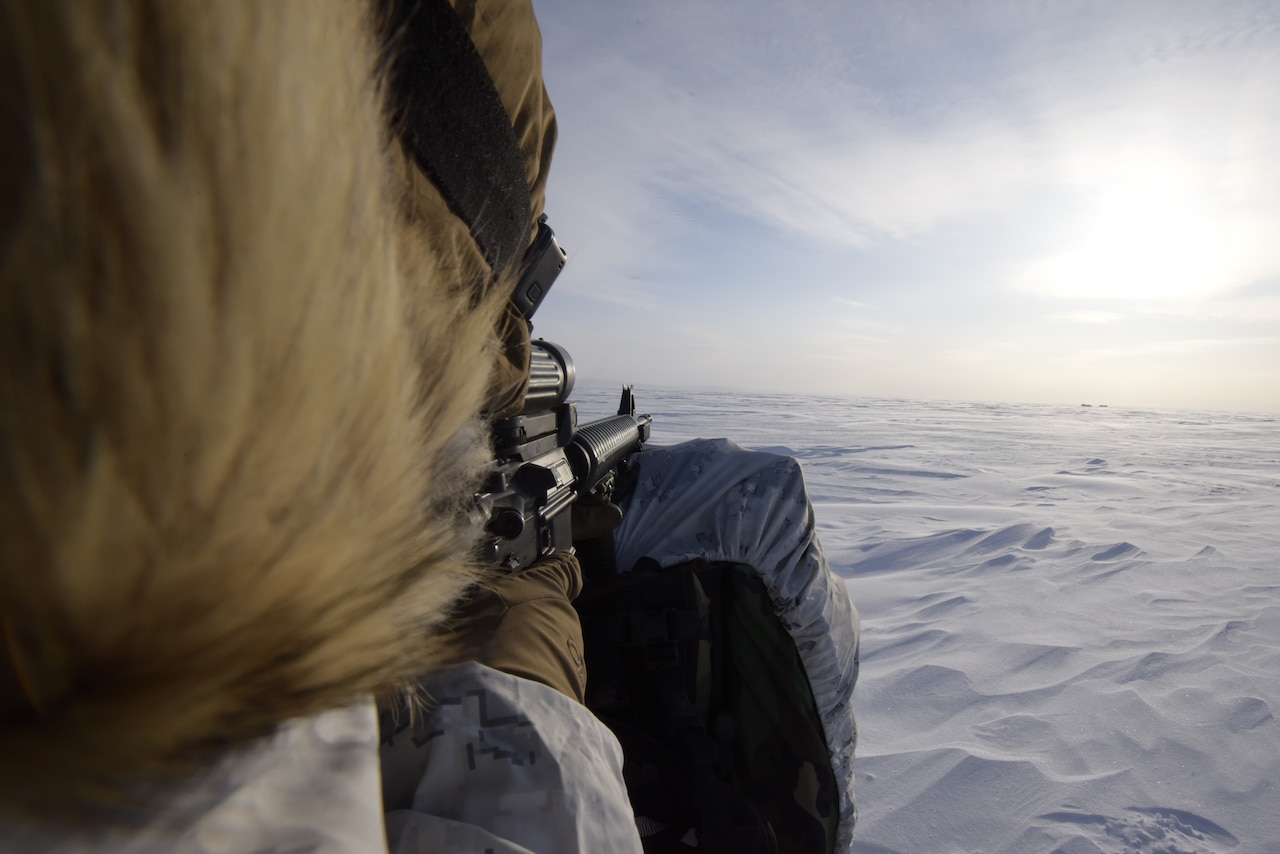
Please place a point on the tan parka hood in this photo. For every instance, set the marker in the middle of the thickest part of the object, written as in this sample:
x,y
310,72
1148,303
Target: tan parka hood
x,y
242,373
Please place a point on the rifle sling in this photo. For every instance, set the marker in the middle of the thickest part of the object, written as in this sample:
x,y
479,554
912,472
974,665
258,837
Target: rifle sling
x,y
453,123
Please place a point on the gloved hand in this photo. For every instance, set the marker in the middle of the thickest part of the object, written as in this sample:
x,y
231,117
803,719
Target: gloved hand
x,y
524,623
591,520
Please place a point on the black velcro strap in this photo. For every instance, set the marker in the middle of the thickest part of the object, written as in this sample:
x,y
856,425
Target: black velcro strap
x,y
452,121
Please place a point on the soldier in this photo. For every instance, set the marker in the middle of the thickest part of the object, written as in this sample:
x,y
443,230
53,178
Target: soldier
x,y
249,347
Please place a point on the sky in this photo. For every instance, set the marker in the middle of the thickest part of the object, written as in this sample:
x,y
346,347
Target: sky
x,y
1059,202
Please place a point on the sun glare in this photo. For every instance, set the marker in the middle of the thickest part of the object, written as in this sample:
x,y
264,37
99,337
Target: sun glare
x,y
1147,238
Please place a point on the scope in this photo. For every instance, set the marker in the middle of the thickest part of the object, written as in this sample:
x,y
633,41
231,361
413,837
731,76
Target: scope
x,y
551,377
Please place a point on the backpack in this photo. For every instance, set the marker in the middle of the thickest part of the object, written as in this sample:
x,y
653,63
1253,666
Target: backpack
x,y
706,691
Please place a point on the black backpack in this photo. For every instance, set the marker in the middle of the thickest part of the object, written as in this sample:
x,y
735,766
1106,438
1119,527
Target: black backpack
x,y
704,688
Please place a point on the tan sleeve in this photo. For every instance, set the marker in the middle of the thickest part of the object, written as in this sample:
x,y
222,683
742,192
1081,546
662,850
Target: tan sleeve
x,y
525,624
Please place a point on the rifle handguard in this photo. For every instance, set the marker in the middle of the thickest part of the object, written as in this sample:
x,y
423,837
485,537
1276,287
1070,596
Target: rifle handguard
x,y
598,447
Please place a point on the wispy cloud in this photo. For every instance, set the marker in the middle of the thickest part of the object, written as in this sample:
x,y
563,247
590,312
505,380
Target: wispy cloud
x,y
1091,316
1097,153
1178,347
856,181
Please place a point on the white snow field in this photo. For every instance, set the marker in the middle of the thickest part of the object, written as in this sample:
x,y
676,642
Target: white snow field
x,y
1070,615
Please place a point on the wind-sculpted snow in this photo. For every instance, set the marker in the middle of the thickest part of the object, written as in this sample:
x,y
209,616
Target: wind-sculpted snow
x,y
1070,616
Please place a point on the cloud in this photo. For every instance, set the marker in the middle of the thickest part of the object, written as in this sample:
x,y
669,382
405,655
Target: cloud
x,y
971,357
725,161
1091,316
855,181
850,303
848,171
1251,310
1182,347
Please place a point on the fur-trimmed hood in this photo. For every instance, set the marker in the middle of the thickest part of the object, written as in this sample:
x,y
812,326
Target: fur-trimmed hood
x,y
241,378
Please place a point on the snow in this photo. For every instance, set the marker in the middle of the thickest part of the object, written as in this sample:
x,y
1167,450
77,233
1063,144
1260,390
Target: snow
x,y
1071,628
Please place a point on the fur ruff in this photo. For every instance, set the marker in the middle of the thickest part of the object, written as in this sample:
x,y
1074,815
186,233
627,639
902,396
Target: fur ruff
x,y
239,395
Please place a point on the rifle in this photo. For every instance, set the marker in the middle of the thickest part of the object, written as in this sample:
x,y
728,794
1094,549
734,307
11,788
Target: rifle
x,y
543,460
